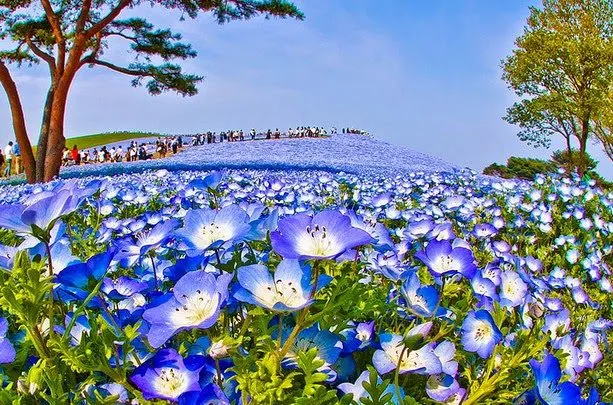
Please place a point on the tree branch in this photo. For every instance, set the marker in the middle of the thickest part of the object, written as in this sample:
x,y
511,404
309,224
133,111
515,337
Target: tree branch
x,y
54,21
99,26
119,69
41,54
80,25
94,52
120,34
56,27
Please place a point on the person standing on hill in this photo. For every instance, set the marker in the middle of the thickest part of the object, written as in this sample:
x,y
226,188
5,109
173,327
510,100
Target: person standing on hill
x,y
16,158
8,156
76,156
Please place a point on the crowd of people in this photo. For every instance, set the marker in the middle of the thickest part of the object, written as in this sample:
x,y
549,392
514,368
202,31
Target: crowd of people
x,y
11,163
355,131
159,148
239,135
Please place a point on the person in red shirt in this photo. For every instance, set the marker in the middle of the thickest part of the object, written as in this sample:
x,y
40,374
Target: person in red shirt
x,y
76,156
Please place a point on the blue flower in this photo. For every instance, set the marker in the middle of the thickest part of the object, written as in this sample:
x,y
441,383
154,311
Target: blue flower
x,y
78,280
512,289
209,229
167,375
526,398
327,344
445,351
358,391
376,230
327,235
7,256
115,390
130,250
194,303
483,287
210,395
548,387
42,210
7,351
288,290
359,337
420,361
557,324
484,230
211,181
441,386
444,259
479,333
421,300
389,264
121,288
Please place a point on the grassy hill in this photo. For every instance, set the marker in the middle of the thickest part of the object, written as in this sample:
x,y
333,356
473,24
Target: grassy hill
x,y
90,141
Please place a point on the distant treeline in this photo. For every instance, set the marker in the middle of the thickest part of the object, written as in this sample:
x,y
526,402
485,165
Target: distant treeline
x,y
527,168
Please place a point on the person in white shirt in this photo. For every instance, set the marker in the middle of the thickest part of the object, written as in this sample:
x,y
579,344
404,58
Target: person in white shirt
x,y
65,156
8,156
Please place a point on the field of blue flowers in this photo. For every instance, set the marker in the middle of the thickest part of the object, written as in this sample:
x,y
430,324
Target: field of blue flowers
x,y
355,154
305,287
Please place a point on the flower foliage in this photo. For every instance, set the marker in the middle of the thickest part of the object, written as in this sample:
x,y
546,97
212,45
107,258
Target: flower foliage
x,y
305,287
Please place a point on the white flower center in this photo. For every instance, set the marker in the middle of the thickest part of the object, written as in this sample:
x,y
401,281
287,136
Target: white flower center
x,y
213,232
445,263
317,242
198,307
510,288
417,301
285,292
483,331
171,382
410,359
362,336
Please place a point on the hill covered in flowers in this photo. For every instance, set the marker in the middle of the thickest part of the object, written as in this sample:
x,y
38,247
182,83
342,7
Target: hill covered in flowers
x,y
348,153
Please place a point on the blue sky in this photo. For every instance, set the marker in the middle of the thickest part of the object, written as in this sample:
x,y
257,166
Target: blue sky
x,y
422,73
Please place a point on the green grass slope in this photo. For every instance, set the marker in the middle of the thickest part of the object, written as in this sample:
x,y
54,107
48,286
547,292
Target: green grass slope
x,y
90,141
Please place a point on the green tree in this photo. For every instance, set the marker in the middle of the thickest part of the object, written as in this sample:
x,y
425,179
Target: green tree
x,y
562,70
603,128
67,35
564,159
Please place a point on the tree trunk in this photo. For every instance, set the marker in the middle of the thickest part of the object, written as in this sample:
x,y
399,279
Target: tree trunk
x,y
19,123
56,141
569,152
585,132
43,139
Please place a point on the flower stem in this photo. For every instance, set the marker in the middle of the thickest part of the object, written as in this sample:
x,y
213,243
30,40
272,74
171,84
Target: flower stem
x,y
315,279
80,309
292,337
397,374
219,377
155,275
51,303
38,341
280,329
